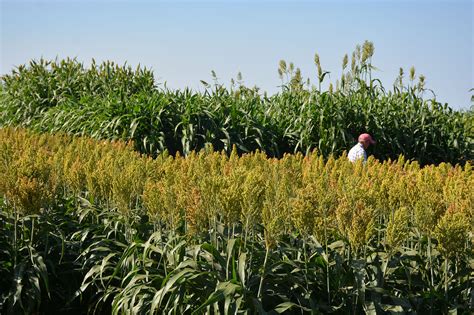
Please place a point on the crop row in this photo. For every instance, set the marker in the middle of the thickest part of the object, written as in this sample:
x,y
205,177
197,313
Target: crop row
x,y
107,101
94,224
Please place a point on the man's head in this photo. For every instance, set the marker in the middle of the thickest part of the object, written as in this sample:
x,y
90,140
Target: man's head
x,y
365,139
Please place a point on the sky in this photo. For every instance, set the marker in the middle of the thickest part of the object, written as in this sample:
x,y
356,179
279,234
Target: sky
x,y
182,41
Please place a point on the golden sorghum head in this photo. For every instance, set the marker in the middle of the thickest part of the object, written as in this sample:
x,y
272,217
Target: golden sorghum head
x,y
452,233
355,221
30,195
398,229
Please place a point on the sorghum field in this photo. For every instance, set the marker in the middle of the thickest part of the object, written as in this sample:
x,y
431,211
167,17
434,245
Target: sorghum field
x,y
108,101
120,196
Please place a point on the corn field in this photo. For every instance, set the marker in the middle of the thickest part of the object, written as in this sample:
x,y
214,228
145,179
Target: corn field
x,y
108,101
94,225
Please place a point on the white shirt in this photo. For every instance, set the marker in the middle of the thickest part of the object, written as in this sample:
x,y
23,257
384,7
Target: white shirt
x,y
357,152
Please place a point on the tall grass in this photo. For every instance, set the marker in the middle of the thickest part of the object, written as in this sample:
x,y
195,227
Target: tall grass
x,y
107,101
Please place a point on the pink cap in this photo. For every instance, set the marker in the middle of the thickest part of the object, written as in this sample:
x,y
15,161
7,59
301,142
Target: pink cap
x,y
366,138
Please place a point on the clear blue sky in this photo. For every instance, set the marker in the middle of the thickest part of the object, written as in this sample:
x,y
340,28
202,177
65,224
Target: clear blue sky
x,y
182,41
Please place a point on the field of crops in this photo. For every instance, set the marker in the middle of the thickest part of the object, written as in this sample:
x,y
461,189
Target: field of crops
x,y
107,101
119,195
89,224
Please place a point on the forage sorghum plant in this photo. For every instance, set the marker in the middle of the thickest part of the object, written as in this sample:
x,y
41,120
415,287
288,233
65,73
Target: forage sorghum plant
x,y
398,229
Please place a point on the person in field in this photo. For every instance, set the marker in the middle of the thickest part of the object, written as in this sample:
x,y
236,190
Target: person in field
x,y
358,151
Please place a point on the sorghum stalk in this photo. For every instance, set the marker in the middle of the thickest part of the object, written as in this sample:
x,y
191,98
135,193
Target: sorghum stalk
x,y
259,295
327,255
446,278
430,261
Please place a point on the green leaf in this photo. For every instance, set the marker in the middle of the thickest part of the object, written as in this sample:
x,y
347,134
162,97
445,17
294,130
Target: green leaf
x,y
223,291
242,267
285,306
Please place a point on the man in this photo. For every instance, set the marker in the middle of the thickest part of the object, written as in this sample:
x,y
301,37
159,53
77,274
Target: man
x,y
358,151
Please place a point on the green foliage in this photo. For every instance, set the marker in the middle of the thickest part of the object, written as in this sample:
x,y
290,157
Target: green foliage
x,y
118,232
107,101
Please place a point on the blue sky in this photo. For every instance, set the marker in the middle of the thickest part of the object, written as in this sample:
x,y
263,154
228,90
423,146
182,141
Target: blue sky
x,y
182,41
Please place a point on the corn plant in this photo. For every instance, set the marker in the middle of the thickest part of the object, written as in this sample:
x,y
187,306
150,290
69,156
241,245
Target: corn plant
x,y
108,101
